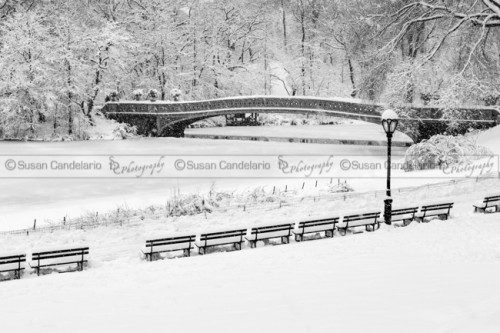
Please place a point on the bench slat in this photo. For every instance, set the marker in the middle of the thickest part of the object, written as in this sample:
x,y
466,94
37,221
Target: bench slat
x,y
172,239
437,207
62,255
13,257
224,234
12,262
319,222
12,270
60,251
62,263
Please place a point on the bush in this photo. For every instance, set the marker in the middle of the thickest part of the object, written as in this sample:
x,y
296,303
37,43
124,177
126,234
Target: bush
x,y
137,94
443,151
341,187
124,131
153,94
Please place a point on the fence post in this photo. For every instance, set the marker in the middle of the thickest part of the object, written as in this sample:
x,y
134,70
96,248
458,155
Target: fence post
x,y
34,224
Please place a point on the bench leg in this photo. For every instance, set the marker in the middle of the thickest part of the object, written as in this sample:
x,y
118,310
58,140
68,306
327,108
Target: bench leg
x,y
253,244
237,246
17,274
285,240
187,252
406,222
443,216
342,231
201,251
329,233
299,238
79,266
479,210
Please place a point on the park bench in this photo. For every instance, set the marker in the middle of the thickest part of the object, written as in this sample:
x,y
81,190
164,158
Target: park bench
x,y
405,215
208,240
156,246
13,264
441,211
314,226
367,220
59,257
283,231
491,202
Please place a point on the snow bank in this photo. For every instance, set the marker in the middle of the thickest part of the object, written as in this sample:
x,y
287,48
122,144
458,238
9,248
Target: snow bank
x,y
490,139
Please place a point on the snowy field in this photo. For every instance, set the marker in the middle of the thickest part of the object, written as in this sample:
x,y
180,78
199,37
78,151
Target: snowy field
x,y
359,131
440,276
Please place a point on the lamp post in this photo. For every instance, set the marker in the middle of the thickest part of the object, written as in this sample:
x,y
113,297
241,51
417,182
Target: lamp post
x,y
390,121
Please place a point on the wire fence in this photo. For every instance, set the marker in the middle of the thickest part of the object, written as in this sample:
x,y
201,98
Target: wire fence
x,y
286,196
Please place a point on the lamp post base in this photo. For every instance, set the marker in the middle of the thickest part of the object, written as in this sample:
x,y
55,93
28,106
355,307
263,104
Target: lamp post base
x,y
388,210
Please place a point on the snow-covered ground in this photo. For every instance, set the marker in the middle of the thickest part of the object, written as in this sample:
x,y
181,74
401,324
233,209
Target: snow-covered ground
x,y
357,131
23,200
440,276
490,139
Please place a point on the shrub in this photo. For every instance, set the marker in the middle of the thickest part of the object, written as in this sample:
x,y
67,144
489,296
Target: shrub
x,y
442,151
137,94
153,94
176,95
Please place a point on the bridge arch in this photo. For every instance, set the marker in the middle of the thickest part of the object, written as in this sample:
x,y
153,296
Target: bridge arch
x,y
171,118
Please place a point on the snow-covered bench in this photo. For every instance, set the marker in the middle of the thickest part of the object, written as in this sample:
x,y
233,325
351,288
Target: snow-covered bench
x,y
14,263
405,215
234,237
283,231
367,220
489,203
314,226
181,243
58,258
441,211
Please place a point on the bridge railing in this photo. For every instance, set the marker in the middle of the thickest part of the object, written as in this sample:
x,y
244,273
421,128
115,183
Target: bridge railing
x,y
266,104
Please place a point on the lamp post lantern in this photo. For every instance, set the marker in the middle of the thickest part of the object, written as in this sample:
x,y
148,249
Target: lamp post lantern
x,y
390,121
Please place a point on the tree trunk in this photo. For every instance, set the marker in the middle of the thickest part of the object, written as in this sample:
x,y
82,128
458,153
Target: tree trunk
x,y
351,76
283,21
303,42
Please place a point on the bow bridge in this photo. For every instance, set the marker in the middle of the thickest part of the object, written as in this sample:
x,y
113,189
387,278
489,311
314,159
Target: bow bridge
x,y
171,118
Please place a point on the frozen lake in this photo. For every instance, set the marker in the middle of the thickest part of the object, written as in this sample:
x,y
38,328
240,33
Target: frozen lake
x,y
358,131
